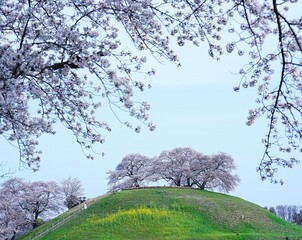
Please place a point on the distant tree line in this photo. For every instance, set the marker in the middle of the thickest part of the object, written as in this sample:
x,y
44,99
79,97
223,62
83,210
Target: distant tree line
x,y
178,167
289,213
26,205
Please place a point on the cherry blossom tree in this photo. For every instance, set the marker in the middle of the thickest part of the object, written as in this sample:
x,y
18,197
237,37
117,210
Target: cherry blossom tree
x,y
176,166
12,219
4,173
22,204
72,190
61,59
40,200
182,167
133,171
189,168
276,72
216,172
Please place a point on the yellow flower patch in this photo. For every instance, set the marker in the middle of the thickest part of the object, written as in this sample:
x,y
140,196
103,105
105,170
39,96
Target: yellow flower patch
x,y
130,214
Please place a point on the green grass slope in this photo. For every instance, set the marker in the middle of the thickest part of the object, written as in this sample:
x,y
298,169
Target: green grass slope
x,y
170,213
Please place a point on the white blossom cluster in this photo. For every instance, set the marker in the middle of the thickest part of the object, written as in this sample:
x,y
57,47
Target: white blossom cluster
x,y
23,204
45,46
66,56
274,36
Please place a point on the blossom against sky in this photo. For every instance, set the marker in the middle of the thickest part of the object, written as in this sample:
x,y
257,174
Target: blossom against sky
x,y
192,106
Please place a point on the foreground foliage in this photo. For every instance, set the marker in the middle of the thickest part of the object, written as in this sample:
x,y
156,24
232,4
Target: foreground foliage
x,y
60,59
166,213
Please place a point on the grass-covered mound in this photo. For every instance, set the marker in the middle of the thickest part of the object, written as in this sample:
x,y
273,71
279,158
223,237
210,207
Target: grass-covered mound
x,y
169,213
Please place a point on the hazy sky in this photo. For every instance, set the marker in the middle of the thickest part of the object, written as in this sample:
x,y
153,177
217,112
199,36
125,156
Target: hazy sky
x,y
192,106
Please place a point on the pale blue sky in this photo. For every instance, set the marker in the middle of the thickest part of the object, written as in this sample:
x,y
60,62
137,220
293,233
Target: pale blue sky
x,y
192,106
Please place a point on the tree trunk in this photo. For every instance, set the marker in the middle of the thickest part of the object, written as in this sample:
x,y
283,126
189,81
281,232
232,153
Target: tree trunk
x,y
203,185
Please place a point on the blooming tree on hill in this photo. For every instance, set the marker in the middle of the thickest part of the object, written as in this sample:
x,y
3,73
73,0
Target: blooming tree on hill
x,y
216,172
176,166
133,171
60,59
189,168
182,167
72,191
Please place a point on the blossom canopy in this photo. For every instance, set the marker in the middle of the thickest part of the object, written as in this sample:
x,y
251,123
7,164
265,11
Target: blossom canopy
x,y
60,60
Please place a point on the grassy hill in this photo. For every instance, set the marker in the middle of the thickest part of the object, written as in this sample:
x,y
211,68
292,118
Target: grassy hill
x,y
169,213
